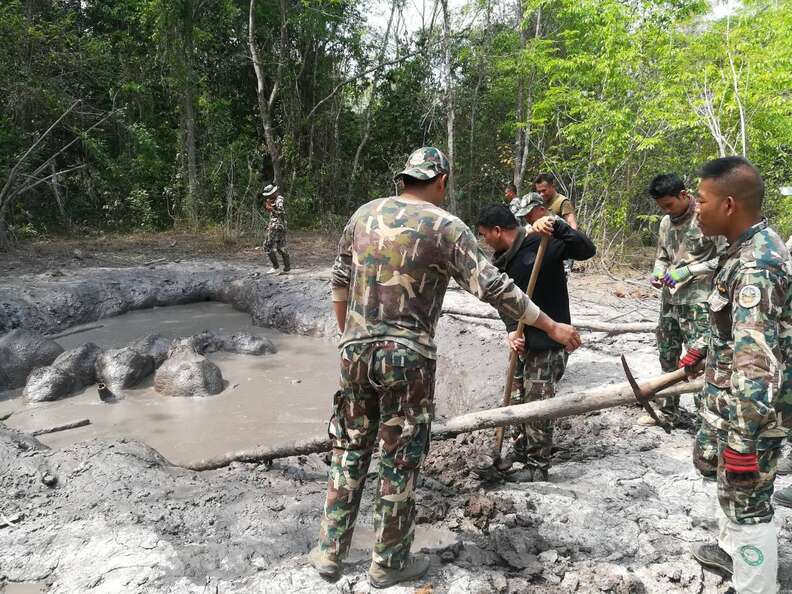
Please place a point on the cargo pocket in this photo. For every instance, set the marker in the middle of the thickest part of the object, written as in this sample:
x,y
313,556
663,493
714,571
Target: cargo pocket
x,y
413,442
336,428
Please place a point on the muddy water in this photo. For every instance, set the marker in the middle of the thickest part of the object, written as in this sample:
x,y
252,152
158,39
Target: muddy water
x,y
267,400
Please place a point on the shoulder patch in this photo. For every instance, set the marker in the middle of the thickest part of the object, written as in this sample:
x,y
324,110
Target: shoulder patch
x,y
749,296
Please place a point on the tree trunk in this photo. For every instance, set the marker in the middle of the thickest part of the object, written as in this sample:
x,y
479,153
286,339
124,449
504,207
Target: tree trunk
x,y
188,118
554,408
367,129
524,104
452,198
264,103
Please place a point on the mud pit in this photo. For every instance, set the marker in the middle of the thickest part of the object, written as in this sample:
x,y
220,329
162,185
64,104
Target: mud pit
x,y
267,399
617,515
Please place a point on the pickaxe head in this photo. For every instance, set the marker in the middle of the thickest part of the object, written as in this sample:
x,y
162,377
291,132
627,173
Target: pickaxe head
x,y
644,394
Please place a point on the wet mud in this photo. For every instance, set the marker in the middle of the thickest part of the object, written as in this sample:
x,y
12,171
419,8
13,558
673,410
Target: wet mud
x,y
267,399
112,514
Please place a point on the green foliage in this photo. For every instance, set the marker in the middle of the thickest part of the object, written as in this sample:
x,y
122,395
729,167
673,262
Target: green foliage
x,y
613,92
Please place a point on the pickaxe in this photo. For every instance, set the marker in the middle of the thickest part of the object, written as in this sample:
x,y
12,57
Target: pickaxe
x,y
645,392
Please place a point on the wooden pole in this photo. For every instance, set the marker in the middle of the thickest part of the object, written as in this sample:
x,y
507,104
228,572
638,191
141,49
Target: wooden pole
x,y
591,326
520,327
63,427
554,408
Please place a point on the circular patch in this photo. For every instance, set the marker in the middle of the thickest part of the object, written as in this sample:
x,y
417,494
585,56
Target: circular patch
x,y
749,296
751,555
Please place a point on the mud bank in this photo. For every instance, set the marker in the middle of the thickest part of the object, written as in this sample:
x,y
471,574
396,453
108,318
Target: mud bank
x,y
297,303
621,507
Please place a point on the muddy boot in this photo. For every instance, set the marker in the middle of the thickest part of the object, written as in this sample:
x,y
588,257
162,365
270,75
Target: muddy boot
x,y
541,475
325,564
484,469
785,465
711,555
783,497
385,577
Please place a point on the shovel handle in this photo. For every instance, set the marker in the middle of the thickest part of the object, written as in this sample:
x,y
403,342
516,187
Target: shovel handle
x,y
520,327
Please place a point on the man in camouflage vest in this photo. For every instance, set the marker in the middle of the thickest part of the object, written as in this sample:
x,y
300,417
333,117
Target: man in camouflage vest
x,y
683,268
395,259
747,400
276,230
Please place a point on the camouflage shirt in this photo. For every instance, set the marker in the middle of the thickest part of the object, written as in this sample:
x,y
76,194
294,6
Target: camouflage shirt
x,y
750,344
277,214
395,259
683,244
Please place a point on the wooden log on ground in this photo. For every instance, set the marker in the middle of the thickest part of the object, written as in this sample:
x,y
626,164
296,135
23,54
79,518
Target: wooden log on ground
x,y
591,326
555,408
77,331
63,427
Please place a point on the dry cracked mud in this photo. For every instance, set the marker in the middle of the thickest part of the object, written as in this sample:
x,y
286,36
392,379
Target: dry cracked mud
x,y
111,514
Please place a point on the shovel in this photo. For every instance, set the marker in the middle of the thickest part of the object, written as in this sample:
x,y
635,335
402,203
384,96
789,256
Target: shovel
x,y
513,355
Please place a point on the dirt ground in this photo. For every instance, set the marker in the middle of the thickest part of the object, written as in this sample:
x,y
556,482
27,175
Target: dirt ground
x,y
35,257
618,513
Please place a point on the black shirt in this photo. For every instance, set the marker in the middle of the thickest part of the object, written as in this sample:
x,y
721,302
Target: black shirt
x,y
550,293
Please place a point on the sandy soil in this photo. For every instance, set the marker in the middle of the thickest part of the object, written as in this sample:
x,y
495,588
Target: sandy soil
x,y
621,507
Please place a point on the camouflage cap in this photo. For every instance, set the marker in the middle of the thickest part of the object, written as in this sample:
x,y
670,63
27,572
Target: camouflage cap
x,y
426,163
269,190
528,202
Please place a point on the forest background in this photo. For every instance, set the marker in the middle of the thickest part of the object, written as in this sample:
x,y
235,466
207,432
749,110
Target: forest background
x,y
123,115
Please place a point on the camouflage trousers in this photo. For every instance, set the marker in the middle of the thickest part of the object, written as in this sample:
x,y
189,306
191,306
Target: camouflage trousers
x,y
386,399
542,370
276,240
683,324
747,502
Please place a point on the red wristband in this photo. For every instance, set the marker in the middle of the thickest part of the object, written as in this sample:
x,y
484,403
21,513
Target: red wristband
x,y
740,463
692,357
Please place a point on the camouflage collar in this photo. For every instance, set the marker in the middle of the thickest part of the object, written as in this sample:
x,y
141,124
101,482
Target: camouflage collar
x,y
747,235
685,216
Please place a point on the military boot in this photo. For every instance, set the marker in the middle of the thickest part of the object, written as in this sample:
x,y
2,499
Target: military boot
x,y
325,564
785,465
385,577
286,262
711,555
783,497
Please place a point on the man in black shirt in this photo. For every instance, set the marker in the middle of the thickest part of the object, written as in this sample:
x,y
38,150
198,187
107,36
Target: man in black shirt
x,y
544,359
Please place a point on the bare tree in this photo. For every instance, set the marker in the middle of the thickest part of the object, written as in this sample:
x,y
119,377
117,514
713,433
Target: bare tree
x,y
24,177
372,95
267,102
449,92
524,101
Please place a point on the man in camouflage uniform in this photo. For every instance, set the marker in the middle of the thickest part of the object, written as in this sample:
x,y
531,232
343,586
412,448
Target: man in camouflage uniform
x,y
747,402
784,496
683,268
515,203
544,360
395,259
276,230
